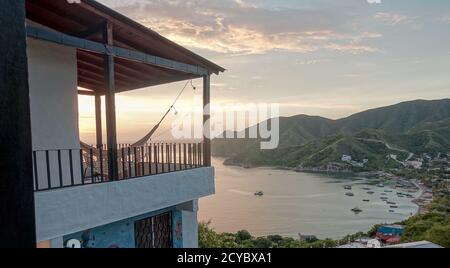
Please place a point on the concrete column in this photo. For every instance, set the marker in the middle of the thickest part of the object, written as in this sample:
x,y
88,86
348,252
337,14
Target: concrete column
x,y
189,223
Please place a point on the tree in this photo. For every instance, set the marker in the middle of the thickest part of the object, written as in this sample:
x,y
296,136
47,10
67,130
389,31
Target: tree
x,y
243,235
439,235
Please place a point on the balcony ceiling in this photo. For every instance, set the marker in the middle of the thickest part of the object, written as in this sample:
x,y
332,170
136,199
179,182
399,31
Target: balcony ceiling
x,y
86,20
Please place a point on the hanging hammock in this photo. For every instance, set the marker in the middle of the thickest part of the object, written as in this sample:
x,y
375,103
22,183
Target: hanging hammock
x,y
149,135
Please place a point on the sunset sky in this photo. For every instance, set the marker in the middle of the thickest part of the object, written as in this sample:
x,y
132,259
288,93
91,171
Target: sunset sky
x,y
318,57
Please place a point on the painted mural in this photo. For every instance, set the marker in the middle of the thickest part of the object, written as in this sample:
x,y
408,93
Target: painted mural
x,y
177,227
121,234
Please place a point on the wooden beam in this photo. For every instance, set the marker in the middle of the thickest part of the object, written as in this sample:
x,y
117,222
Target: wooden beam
x,y
87,93
94,72
17,215
110,50
206,120
152,83
133,69
110,101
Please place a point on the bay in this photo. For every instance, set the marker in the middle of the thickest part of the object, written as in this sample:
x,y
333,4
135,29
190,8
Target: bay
x,y
293,203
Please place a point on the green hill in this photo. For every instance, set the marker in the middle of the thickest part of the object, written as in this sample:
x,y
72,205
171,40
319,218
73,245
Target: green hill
x,y
416,126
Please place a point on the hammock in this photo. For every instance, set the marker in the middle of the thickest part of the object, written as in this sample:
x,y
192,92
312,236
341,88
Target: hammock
x,y
149,135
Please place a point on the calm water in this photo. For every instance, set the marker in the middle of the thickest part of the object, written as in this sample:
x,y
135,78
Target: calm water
x,y
293,203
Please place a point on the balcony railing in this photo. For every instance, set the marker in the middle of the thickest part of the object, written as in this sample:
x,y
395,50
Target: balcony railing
x,y
55,169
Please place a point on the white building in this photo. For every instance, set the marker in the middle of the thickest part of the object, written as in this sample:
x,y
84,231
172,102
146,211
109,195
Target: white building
x,y
346,158
114,195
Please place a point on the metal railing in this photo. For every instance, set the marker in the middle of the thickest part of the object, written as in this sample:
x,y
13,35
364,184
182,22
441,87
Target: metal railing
x,y
55,169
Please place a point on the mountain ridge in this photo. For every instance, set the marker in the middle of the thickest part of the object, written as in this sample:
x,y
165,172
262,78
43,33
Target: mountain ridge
x,y
419,126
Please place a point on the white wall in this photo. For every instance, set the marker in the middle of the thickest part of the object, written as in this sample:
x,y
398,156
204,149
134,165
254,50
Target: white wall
x,y
54,105
71,210
53,95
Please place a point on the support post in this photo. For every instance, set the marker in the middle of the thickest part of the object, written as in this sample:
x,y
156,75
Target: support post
x,y
206,120
98,120
17,216
110,102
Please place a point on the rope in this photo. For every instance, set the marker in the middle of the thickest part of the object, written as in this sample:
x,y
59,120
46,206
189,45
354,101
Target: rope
x,y
149,135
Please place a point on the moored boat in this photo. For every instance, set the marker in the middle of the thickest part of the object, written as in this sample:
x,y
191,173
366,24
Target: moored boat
x,y
259,193
356,210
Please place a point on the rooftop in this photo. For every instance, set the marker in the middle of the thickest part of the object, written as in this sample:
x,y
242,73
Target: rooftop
x,y
420,244
143,57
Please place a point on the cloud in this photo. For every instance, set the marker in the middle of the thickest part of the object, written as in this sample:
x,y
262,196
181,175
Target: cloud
x,y
393,18
310,62
244,27
444,19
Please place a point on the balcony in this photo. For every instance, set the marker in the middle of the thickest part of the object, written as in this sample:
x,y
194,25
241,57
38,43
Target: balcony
x,y
56,169
74,192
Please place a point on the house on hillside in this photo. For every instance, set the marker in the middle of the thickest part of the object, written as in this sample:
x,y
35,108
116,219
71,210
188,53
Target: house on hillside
x,y
113,195
346,158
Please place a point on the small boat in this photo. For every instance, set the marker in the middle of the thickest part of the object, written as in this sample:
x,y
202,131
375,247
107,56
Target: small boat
x,y
366,200
347,187
393,206
391,203
366,189
380,185
350,194
259,193
356,210
392,211
370,192
383,198
383,194
388,191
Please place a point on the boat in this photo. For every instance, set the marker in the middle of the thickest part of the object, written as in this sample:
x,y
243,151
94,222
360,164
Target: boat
x,y
383,194
350,194
393,206
347,187
259,193
356,210
380,185
366,200
366,189
391,203
370,192
392,211
383,198
388,191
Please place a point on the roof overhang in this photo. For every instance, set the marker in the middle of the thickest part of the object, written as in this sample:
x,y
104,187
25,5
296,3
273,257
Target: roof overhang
x,y
143,58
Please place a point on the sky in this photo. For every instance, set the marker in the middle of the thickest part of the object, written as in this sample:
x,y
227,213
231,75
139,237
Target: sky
x,y
317,57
